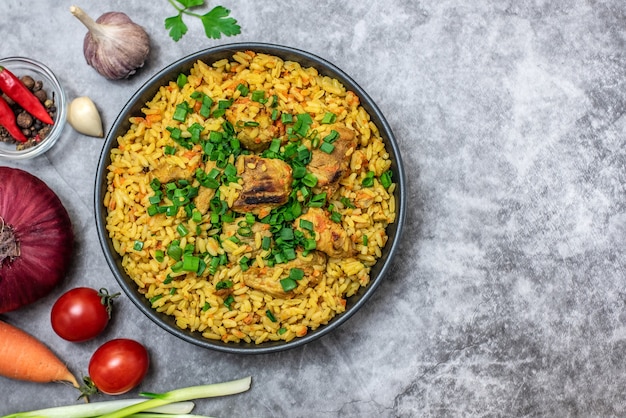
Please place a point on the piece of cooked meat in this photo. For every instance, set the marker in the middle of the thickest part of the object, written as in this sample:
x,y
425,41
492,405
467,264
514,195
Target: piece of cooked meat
x,y
258,138
331,168
203,199
266,184
262,278
205,194
166,172
330,237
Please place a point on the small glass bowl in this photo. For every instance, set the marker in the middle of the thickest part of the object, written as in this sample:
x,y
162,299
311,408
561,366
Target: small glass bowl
x,y
21,66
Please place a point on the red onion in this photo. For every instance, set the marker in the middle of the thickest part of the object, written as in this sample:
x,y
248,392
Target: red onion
x,y
36,239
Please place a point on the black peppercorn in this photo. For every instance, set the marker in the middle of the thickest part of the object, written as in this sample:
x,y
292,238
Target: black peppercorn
x,y
24,120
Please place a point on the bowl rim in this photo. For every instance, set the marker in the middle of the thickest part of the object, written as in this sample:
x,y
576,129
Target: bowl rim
x,y
169,72
60,103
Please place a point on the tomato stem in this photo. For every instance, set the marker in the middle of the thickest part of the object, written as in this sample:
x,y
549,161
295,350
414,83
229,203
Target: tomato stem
x,y
107,299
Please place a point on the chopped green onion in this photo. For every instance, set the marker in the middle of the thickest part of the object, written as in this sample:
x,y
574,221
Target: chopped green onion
x,y
318,200
368,181
279,258
259,96
310,180
171,210
298,171
152,210
303,122
229,300
159,255
155,199
289,253
310,244
138,246
214,264
328,118
286,234
274,100
275,145
306,224
243,89
244,263
181,80
270,315
335,216
266,242
191,263
155,184
181,111
206,306
177,267
286,118
244,231
224,104
224,284
331,137
365,240
347,203
296,274
175,133
175,251
385,179
205,109
288,284
182,230
327,147
155,298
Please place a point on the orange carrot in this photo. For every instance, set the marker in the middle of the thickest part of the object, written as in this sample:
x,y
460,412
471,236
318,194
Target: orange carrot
x,y
23,357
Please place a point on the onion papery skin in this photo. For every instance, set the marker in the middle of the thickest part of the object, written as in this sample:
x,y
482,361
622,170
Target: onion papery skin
x,y
43,230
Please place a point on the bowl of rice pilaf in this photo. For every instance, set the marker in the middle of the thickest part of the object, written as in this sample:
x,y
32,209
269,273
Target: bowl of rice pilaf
x,y
250,198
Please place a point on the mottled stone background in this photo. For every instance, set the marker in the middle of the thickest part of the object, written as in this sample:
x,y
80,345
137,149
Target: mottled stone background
x,y
507,296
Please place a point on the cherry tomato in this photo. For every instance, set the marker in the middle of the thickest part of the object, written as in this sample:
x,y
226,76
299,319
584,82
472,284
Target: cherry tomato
x,y
82,313
118,366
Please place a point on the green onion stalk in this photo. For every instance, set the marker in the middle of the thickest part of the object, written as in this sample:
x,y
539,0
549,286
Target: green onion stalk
x,y
175,403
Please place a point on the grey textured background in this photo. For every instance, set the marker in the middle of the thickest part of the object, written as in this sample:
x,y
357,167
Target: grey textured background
x,y
507,297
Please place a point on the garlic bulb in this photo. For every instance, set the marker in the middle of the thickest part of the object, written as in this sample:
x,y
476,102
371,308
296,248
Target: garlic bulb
x,y
115,46
84,117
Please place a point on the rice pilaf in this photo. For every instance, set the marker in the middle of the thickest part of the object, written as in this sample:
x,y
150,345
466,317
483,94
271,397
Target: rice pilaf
x,y
251,199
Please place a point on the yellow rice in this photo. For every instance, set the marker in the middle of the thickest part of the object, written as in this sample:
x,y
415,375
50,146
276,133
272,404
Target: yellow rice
x,y
193,299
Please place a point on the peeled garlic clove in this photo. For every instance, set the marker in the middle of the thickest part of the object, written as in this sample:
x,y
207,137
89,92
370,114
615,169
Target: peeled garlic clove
x,y
115,46
84,117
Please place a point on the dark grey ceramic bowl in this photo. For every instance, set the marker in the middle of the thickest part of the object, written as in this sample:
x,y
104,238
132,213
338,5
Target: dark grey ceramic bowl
x,y
133,108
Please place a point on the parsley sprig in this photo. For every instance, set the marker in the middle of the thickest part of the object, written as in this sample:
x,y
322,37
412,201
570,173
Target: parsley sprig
x,y
215,22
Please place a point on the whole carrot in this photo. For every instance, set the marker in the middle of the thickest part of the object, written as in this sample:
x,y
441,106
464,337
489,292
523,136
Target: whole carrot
x,y
7,119
16,90
23,357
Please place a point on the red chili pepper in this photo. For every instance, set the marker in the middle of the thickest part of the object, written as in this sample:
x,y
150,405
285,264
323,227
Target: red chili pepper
x,y
7,119
16,90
